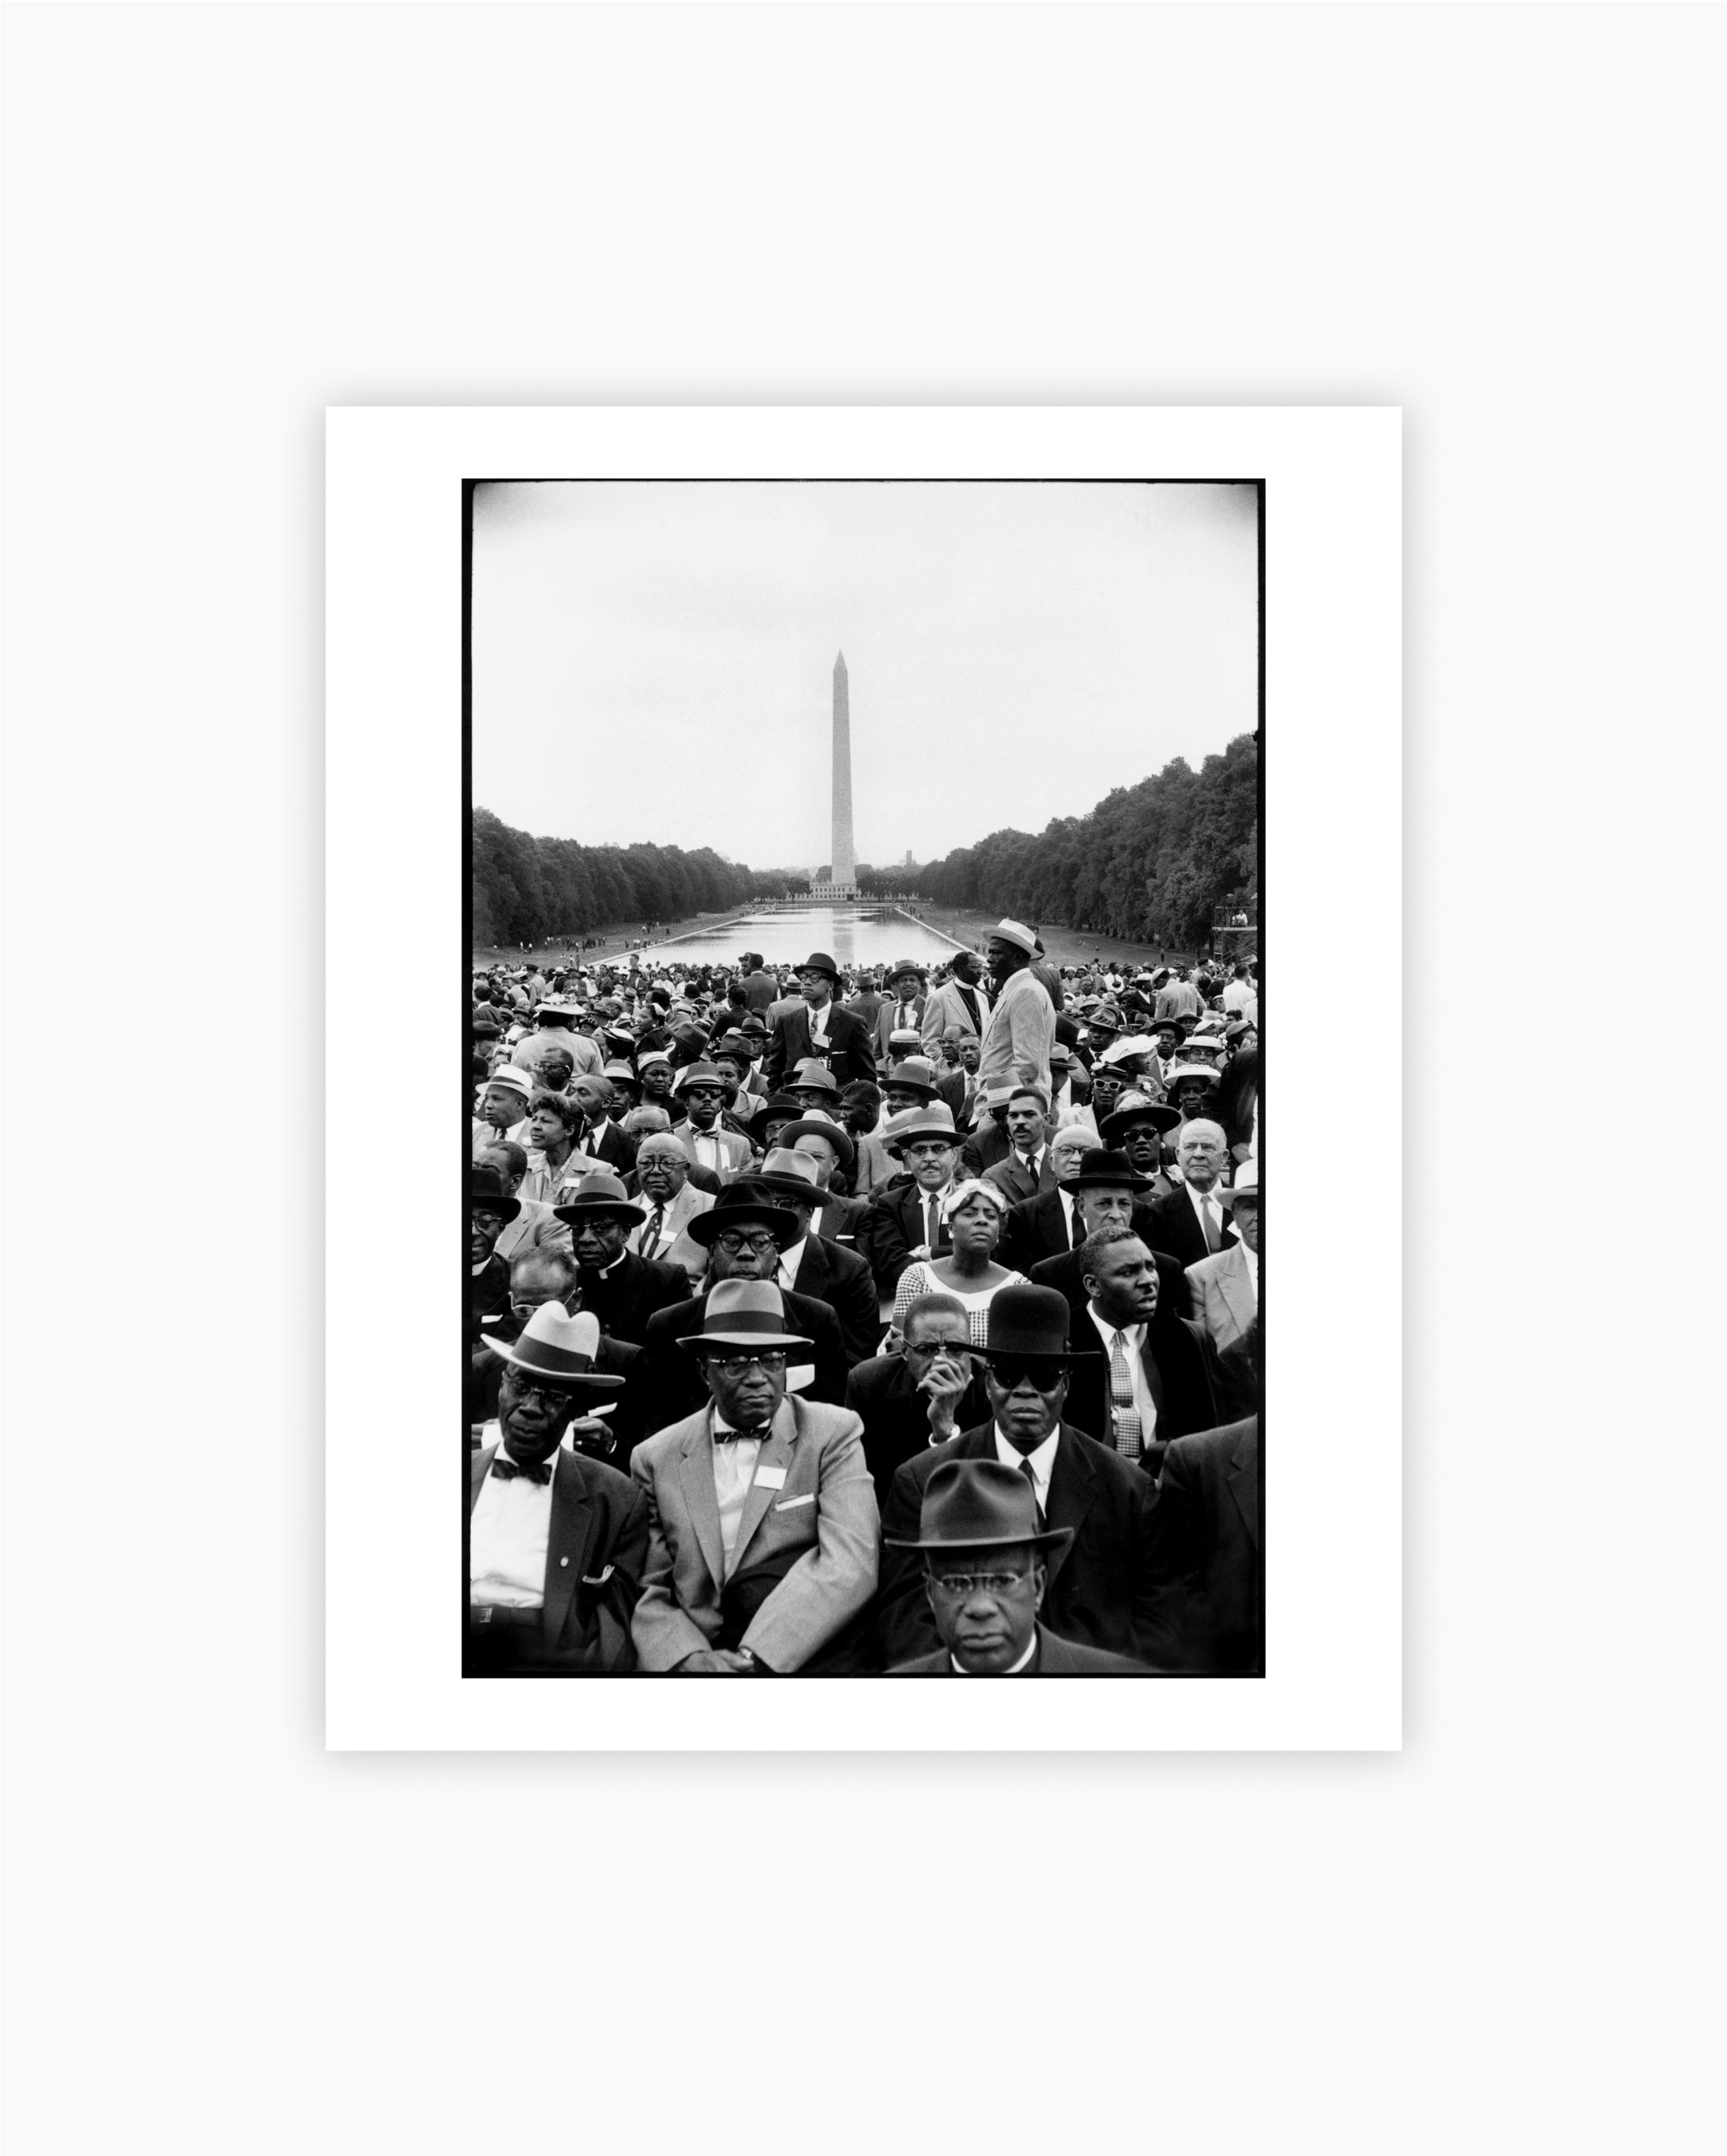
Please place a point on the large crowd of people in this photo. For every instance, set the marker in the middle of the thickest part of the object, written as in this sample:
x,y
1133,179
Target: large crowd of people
x,y
830,1321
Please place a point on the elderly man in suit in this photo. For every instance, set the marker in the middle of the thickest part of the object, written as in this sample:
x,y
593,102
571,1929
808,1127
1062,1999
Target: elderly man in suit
x,y
1046,1224
1154,1377
830,1147
1104,1193
502,1108
665,1185
1207,1544
922,1396
622,1288
1102,1591
820,1028
986,1568
1025,1170
1192,1223
599,1136
812,1265
1021,1027
960,1001
902,1009
1225,1288
537,1277
558,1542
703,1135
763,1533
745,1237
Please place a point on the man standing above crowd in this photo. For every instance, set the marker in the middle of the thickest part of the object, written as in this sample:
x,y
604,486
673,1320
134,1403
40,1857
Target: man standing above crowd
x,y
1021,1027
902,1010
960,1001
820,1028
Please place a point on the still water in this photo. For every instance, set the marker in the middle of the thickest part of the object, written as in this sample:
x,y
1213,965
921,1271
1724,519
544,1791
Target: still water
x,y
784,935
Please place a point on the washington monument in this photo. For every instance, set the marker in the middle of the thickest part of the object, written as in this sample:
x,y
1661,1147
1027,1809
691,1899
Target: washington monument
x,y
844,872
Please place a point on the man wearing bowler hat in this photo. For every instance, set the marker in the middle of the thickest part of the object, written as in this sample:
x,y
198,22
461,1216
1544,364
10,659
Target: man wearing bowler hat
x,y
820,1028
621,1288
558,1542
1102,1591
745,1237
1138,1128
986,1567
764,1534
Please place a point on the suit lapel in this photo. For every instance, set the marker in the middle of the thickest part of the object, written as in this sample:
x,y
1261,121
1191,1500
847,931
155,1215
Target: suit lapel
x,y
571,1517
1238,1295
776,1452
1073,1488
1244,1481
695,1481
1154,1376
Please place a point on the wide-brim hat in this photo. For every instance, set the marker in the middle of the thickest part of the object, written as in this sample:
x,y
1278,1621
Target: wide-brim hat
x,y
1128,1044
485,1187
558,1348
908,966
1114,1127
1173,1076
1106,1167
737,1207
564,1015
819,962
600,1197
1030,1321
835,1134
917,1074
980,1504
1246,1185
791,1173
698,1074
1016,934
743,1314
516,1080
934,1121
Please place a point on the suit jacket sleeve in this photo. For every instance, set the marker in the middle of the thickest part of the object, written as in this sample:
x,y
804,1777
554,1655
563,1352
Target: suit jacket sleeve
x,y
880,1239
663,1635
773,1063
830,1584
851,1297
608,1612
1175,1558
859,1054
904,1622
831,1366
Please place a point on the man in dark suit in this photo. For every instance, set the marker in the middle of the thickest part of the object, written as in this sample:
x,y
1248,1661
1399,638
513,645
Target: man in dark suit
x,y
558,1543
1024,1170
1103,1192
822,1027
488,1213
745,1237
813,1265
923,1397
1101,1589
599,1137
905,1219
1190,1224
1207,1540
988,1141
986,1561
1152,1379
829,1144
622,1290
1137,1129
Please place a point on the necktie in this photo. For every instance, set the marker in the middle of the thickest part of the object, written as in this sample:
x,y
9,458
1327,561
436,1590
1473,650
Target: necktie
x,y
1026,1469
968,998
1076,1227
1213,1241
730,1436
649,1240
1124,1416
933,1207
507,1470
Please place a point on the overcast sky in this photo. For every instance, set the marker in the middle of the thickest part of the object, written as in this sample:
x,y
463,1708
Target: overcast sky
x,y
655,660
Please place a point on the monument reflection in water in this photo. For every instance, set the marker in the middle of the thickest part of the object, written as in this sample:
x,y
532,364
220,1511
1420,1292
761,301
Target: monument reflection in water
x,y
859,935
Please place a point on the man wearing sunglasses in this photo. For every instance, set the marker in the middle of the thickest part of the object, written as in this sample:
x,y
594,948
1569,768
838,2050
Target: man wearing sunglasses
x,y
1102,1588
764,1534
704,1136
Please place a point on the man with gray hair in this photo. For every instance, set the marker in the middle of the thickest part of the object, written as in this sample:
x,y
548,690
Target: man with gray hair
x,y
662,1183
1191,1223
1045,1225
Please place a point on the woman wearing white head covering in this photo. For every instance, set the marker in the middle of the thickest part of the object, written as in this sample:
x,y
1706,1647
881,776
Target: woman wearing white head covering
x,y
974,1212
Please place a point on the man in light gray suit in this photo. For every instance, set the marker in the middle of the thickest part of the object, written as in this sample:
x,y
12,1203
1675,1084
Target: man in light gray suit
x,y
1225,1287
763,1533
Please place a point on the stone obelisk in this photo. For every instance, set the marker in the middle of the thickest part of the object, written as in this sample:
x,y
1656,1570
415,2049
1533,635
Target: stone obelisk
x,y
845,866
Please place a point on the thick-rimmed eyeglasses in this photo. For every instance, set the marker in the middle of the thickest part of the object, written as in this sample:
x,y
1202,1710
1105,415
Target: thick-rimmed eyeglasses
x,y
957,1585
770,1359
734,1243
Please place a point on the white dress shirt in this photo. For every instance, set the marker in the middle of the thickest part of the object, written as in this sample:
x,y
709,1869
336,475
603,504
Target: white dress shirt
x,y
507,1537
1252,1258
1133,1339
1067,1216
1031,1163
791,1259
734,1469
1043,1461
819,1024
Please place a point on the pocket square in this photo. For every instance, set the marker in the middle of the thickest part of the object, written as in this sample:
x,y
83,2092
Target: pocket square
x,y
788,1504
598,1579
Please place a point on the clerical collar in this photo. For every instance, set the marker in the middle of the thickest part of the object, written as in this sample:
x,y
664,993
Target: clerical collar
x,y
960,1670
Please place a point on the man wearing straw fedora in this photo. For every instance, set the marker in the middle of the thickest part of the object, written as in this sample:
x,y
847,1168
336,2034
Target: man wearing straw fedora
x,y
986,1566
621,1288
905,1218
764,1534
1021,1029
1103,1591
558,1543
819,1026
744,1237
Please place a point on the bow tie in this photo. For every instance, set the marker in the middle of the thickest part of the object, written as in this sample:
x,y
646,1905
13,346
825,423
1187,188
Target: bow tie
x,y
731,1436
507,1470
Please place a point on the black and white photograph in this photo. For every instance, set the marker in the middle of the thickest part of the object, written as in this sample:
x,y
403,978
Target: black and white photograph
x,y
863,1134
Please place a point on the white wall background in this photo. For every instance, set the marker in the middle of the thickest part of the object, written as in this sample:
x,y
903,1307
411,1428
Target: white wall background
x,y
218,221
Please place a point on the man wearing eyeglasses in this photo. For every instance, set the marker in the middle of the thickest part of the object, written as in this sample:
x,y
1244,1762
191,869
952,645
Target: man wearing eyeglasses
x,y
820,1028
763,1532
1103,1589
744,1238
986,1568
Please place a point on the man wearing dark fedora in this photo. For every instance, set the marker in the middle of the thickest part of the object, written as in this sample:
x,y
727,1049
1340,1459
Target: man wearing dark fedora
x,y
820,1028
745,1237
622,1288
902,1009
558,1542
812,1265
1138,1128
1102,1592
1104,1192
763,1533
986,1568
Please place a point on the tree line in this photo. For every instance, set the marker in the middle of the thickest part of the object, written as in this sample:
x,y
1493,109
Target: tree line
x,y
1149,863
